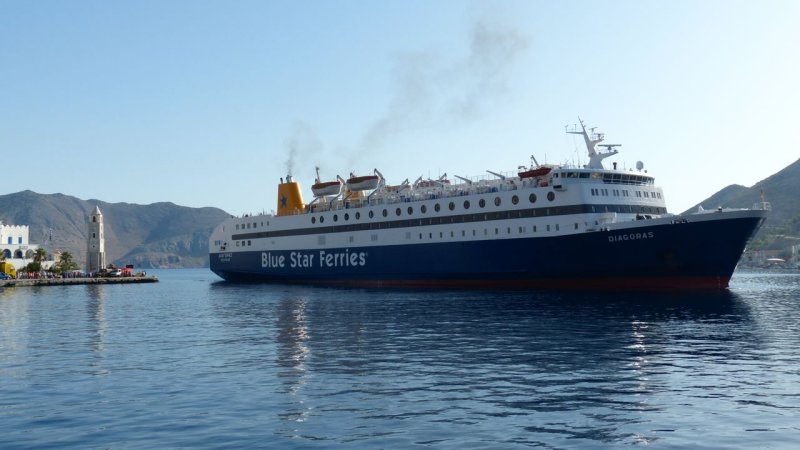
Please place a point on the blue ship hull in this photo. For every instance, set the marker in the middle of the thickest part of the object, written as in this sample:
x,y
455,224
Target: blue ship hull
x,y
691,255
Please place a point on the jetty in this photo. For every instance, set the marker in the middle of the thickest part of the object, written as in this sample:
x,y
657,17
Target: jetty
x,y
75,281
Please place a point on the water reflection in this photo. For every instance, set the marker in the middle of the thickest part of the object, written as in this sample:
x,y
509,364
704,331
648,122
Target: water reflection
x,y
470,357
95,307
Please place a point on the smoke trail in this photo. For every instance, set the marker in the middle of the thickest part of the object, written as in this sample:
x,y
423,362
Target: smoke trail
x,y
430,91
302,141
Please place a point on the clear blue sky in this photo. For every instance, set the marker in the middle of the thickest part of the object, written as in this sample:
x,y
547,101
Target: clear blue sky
x,y
199,102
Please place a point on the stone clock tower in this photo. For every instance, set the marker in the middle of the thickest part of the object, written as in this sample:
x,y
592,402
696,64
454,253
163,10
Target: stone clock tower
x,y
96,248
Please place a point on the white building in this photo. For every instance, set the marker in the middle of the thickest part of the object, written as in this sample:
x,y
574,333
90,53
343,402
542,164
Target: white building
x,y
15,245
96,247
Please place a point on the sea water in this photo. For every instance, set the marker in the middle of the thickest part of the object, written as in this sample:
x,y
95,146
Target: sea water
x,y
194,362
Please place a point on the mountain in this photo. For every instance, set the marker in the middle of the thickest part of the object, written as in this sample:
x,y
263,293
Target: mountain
x,y
159,235
782,190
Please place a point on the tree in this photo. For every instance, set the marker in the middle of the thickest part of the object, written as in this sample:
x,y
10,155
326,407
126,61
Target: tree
x,y
40,255
66,263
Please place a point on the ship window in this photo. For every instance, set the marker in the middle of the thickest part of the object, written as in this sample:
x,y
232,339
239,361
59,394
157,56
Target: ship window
x,y
321,219
371,214
496,231
398,211
466,204
548,228
463,233
556,227
346,216
374,237
534,228
351,239
485,232
410,210
249,243
440,235
255,224
532,198
584,175
408,235
430,235
358,215
94,235
576,225
420,235
237,226
551,196
335,217
473,232
497,201
436,207
452,206
237,244
482,203
508,230
514,200
385,213
247,226
423,208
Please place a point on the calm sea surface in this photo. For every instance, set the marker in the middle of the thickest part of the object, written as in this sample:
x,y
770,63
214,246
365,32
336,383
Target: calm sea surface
x,y
194,362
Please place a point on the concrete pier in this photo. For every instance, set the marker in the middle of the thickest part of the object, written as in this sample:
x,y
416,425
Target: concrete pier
x,y
71,281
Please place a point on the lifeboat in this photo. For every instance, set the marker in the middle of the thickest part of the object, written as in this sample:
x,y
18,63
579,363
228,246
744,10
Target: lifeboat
x,y
364,183
325,188
537,172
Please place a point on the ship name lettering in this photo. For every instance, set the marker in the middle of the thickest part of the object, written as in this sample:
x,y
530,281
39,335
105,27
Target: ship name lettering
x,y
268,260
342,259
631,236
299,259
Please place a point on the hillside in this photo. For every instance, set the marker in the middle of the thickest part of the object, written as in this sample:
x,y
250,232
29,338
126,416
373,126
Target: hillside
x,y
160,235
782,190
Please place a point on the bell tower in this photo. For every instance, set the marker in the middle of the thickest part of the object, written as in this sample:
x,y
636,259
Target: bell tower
x,y
95,249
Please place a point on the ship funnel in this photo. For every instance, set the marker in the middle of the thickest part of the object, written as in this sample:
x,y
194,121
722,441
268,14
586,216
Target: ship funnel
x,y
290,199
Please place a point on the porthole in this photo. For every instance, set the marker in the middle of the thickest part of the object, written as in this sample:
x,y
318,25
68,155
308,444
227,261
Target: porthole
x,y
346,216
482,203
423,208
514,200
452,206
466,204
321,219
385,213
497,201
335,217
551,196
358,215
398,211
313,220
532,198
436,207
410,210
371,214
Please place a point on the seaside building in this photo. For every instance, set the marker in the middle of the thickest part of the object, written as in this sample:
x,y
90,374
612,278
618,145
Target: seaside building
x,y
15,245
96,248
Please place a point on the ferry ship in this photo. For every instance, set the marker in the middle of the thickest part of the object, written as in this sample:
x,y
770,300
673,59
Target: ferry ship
x,y
543,226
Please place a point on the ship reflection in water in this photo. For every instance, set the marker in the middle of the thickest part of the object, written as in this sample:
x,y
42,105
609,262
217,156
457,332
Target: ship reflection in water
x,y
399,368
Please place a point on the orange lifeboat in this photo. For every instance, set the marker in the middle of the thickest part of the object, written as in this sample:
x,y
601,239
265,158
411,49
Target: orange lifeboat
x,y
363,183
322,189
537,172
